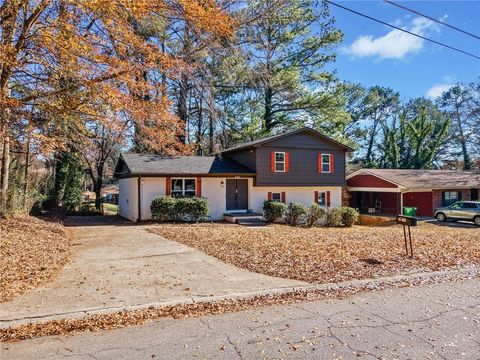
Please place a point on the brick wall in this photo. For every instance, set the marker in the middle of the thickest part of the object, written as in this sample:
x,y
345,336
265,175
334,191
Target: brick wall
x,y
437,196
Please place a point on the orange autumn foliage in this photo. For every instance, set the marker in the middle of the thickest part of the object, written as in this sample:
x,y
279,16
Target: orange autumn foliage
x,y
72,59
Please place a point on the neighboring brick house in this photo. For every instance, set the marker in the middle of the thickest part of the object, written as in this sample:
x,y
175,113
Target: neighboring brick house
x,y
302,166
387,191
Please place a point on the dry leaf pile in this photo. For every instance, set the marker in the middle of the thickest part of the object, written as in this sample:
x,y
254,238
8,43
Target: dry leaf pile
x,y
322,255
142,316
32,251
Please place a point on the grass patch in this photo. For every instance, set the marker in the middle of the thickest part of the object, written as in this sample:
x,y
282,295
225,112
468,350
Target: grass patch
x,y
321,255
32,251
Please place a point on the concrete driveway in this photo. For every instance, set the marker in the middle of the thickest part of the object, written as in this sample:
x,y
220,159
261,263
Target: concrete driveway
x,y
117,264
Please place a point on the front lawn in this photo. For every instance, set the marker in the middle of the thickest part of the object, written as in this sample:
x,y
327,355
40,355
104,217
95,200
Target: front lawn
x,y
321,255
32,251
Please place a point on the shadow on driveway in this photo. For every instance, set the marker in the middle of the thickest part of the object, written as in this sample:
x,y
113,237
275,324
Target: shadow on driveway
x,y
453,224
105,220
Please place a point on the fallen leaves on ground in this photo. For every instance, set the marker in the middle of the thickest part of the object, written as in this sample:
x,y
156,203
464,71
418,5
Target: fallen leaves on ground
x,y
32,251
141,316
322,255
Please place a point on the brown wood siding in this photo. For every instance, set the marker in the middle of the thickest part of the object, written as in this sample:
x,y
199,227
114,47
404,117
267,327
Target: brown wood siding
x,y
303,150
303,141
369,181
245,157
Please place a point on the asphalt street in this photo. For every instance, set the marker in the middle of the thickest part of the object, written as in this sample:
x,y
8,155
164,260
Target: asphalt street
x,y
440,321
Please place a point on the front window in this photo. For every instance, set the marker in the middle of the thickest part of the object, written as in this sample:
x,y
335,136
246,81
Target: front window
x,y
183,187
277,197
325,163
450,197
322,198
279,162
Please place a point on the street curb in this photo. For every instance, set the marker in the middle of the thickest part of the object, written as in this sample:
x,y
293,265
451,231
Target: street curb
x,y
367,284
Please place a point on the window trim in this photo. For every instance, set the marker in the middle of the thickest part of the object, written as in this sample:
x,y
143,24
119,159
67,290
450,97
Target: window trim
x,y
320,192
323,163
183,191
284,162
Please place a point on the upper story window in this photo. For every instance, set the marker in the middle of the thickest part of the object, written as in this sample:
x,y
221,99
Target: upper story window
x,y
279,162
183,187
326,163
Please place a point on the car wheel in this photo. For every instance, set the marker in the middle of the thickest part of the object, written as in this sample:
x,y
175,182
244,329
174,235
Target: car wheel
x,y
441,217
476,220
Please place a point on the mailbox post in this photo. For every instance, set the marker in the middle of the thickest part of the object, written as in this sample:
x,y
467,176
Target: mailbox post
x,y
407,221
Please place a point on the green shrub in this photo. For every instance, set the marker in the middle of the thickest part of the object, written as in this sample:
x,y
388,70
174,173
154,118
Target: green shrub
x,y
273,210
333,217
163,208
349,216
167,208
296,214
191,208
315,213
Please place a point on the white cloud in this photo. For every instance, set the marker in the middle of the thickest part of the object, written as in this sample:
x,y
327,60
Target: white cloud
x,y
395,44
437,90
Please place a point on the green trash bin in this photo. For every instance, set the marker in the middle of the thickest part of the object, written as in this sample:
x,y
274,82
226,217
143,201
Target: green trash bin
x,y
410,211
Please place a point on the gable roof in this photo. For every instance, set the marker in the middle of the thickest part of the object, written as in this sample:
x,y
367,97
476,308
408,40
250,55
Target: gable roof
x,y
151,164
267,139
428,179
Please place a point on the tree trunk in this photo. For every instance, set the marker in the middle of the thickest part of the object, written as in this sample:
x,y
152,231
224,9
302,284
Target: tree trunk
x,y
268,116
200,128
467,162
98,184
5,167
27,166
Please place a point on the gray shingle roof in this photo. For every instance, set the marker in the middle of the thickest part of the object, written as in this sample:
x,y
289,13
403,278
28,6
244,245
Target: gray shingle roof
x,y
434,179
278,136
150,164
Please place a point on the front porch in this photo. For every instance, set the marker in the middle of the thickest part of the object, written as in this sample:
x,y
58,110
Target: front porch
x,y
381,203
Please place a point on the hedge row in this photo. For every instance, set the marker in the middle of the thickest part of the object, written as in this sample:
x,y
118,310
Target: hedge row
x,y
299,215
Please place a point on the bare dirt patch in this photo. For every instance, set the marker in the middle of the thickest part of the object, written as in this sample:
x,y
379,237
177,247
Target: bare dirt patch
x,y
32,251
322,255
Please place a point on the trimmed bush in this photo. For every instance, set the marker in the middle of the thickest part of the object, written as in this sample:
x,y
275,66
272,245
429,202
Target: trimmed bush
x,y
349,216
333,217
163,208
315,213
192,208
296,214
168,208
273,210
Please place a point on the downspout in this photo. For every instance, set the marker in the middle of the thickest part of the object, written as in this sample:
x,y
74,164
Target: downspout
x,y
139,199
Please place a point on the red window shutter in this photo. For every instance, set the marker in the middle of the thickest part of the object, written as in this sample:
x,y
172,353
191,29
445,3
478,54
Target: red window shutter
x,y
319,163
316,197
168,185
328,198
283,197
269,196
332,163
199,186
287,162
272,161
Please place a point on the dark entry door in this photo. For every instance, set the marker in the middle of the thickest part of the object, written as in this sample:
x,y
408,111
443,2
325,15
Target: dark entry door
x,y
237,194
474,194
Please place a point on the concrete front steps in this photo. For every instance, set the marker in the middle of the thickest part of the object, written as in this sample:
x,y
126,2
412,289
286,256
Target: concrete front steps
x,y
245,218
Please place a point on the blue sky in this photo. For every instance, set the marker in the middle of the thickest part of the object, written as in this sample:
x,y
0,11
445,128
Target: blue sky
x,y
371,54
